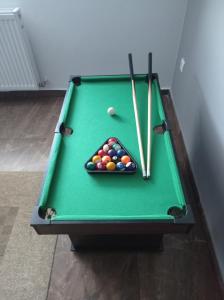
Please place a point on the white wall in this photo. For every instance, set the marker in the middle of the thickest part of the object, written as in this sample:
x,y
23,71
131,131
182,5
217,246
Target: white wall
x,y
95,36
198,96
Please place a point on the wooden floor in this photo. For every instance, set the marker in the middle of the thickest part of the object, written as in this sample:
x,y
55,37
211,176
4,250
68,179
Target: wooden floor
x,y
184,270
27,125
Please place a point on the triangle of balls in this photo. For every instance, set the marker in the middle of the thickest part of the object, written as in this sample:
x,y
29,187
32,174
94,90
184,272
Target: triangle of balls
x,y
111,157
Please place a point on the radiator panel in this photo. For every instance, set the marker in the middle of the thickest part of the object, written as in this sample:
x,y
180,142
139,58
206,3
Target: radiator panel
x,y
18,70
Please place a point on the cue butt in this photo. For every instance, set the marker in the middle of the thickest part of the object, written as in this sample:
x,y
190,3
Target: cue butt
x,y
148,169
131,66
149,146
150,66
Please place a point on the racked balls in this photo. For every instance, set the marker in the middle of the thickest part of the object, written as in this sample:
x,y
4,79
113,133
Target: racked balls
x,y
111,157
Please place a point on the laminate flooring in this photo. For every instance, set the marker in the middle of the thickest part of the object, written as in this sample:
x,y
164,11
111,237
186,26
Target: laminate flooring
x,y
26,130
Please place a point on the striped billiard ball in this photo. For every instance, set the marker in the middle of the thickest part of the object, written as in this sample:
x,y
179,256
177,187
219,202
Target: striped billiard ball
x,y
130,166
106,159
96,159
116,147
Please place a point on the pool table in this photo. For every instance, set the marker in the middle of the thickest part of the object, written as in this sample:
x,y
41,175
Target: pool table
x,y
111,210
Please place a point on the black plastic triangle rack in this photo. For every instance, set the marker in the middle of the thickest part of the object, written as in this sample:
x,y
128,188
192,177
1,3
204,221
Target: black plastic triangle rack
x,y
111,158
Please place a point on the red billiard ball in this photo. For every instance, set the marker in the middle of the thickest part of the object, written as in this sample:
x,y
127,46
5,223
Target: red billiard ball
x,y
101,153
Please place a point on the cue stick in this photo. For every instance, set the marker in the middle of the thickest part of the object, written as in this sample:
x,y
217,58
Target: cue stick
x,y
149,146
136,116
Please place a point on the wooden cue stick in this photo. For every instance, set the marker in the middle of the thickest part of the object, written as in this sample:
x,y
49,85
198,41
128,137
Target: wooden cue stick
x,y
148,169
137,117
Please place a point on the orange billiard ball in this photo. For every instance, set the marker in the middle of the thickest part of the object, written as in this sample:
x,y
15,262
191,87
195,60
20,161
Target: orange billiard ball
x,y
125,159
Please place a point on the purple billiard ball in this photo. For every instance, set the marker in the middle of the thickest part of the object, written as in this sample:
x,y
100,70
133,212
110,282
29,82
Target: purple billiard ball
x,y
112,152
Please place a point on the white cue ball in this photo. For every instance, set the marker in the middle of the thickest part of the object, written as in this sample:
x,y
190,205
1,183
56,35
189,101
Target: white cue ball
x,y
111,111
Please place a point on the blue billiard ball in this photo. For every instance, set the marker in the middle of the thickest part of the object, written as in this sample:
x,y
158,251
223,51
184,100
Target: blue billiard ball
x,y
130,166
121,152
120,166
112,152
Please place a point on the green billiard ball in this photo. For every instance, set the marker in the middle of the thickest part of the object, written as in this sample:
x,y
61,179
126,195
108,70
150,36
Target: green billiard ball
x,y
90,166
116,147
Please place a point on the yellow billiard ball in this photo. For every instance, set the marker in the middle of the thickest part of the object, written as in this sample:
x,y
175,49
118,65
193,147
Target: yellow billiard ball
x,y
111,166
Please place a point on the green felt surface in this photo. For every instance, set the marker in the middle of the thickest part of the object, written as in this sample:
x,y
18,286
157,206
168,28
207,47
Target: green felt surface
x,y
77,195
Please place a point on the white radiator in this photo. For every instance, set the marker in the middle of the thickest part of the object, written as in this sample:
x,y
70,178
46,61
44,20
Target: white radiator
x,y
18,70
